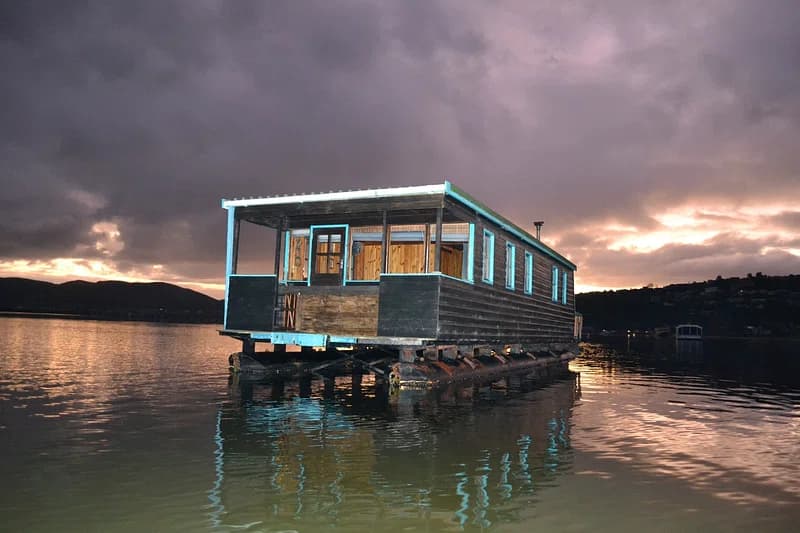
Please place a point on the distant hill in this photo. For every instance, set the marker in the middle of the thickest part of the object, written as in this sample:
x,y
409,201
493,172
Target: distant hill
x,y
754,305
112,300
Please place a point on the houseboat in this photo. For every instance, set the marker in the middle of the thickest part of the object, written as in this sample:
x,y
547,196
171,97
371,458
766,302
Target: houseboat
x,y
432,280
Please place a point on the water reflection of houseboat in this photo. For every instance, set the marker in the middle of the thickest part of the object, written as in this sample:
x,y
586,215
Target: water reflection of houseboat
x,y
459,456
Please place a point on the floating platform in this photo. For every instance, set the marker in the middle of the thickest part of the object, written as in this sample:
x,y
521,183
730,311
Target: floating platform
x,y
424,368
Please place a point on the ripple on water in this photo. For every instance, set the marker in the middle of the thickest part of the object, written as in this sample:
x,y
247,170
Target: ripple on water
x,y
139,427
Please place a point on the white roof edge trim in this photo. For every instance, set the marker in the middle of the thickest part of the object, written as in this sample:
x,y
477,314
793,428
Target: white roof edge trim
x,y
340,195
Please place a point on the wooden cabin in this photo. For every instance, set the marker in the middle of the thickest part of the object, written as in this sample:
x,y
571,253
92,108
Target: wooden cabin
x,y
397,267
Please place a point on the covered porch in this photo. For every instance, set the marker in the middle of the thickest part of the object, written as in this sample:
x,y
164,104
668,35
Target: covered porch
x,y
345,265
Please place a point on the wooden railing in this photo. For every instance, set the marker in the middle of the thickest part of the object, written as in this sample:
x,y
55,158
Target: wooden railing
x,y
289,310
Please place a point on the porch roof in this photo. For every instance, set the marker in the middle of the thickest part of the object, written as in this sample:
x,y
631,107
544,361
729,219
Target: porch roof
x,y
403,204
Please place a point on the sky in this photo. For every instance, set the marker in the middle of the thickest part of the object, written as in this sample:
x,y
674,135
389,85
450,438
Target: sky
x,y
658,140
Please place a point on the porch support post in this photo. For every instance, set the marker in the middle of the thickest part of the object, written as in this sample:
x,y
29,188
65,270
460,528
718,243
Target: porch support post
x,y
235,262
437,260
385,244
231,253
278,241
427,248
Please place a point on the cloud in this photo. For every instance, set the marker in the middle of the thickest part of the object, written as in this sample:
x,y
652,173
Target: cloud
x,y
593,118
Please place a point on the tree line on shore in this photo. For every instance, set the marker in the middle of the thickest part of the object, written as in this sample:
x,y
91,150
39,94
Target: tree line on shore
x,y
754,305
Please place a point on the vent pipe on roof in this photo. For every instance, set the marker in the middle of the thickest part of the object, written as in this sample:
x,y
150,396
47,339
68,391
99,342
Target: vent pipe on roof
x,y
539,224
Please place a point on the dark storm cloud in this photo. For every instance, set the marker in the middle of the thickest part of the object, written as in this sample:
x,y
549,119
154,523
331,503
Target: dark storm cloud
x,y
145,114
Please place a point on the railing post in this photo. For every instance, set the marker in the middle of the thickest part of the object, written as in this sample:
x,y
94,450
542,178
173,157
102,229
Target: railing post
x,y
231,257
437,259
235,262
426,257
278,240
385,242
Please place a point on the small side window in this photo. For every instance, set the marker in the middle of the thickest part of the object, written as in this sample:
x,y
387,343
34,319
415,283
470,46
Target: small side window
x,y
487,272
528,273
554,294
511,255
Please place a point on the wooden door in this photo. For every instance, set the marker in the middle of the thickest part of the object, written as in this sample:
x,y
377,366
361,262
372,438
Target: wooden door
x,y
327,256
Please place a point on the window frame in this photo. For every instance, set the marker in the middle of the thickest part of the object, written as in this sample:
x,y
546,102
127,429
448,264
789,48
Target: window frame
x,y
564,287
487,274
554,283
511,265
528,282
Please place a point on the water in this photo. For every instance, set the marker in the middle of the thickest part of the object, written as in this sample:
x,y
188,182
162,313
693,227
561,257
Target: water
x,y
137,427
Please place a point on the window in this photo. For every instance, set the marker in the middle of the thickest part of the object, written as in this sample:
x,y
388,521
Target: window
x,y
528,273
554,295
470,259
511,254
366,247
564,288
487,272
295,260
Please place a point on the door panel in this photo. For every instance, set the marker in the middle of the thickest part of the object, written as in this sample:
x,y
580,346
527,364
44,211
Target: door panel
x,y
327,256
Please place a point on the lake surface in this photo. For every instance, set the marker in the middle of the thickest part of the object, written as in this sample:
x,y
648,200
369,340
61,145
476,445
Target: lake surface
x,y
110,426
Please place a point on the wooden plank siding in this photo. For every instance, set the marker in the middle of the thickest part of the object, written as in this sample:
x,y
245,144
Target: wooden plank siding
x,y
408,306
543,318
404,258
461,312
350,311
486,314
251,301
337,314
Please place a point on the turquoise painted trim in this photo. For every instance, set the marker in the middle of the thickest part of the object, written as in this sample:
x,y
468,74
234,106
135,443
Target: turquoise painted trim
x,y
564,289
411,274
287,244
356,281
490,278
290,337
339,339
228,261
528,288
468,282
345,246
467,200
430,274
471,254
346,262
511,261
253,275
554,292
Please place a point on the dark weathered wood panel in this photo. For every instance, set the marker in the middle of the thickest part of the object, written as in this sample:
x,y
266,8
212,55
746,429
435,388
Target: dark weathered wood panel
x,y
542,263
482,313
251,301
494,314
338,314
408,306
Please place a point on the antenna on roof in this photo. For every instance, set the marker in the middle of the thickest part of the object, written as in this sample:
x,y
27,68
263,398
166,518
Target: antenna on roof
x,y
539,224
